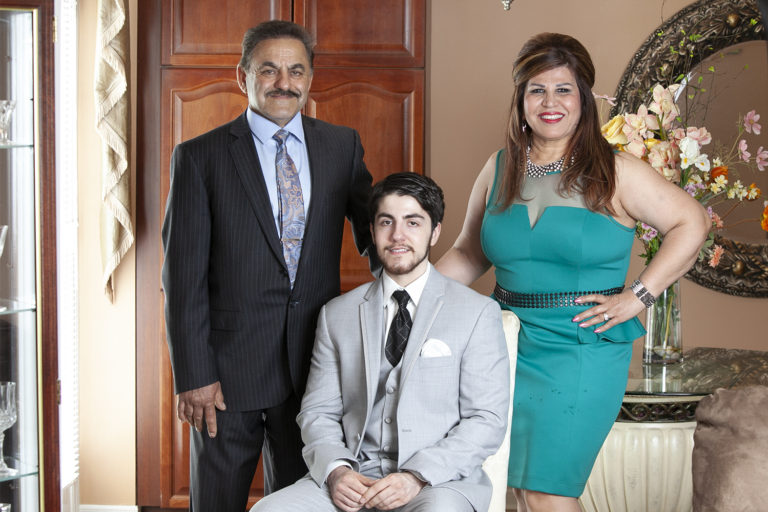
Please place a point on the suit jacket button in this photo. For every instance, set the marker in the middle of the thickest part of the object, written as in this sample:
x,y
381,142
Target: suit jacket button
x,y
294,303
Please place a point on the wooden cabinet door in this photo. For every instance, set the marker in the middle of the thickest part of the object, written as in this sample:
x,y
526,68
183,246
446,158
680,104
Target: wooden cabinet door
x,y
187,53
362,33
387,108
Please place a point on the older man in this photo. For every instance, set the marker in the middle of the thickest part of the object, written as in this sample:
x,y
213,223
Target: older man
x,y
252,239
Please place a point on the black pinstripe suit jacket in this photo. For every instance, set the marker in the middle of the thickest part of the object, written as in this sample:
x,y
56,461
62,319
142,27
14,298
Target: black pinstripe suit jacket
x,y
230,313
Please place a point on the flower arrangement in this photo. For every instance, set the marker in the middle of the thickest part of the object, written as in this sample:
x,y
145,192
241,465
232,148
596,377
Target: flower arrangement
x,y
657,134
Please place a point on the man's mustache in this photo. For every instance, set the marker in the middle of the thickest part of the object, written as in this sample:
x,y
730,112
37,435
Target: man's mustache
x,y
279,92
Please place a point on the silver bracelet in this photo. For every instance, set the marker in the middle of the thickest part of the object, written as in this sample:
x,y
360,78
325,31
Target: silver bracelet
x,y
642,293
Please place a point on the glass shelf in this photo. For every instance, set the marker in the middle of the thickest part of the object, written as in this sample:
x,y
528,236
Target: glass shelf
x,y
22,470
10,307
14,145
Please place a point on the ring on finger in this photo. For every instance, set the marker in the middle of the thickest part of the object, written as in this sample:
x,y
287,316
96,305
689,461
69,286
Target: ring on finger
x,y
606,317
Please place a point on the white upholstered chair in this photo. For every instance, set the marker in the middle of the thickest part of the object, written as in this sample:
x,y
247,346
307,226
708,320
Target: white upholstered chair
x,y
495,466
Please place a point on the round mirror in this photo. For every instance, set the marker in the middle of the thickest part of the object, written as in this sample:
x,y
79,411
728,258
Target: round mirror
x,y
723,42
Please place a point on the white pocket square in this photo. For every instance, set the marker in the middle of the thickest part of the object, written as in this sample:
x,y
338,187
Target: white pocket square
x,y
435,348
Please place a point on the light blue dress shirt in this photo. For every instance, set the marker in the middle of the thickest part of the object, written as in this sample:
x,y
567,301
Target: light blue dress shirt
x,y
262,130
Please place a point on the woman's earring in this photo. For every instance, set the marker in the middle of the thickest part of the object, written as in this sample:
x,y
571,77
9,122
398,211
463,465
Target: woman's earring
x,y
525,126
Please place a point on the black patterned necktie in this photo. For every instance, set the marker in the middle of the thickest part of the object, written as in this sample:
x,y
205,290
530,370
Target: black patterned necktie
x,y
290,205
400,328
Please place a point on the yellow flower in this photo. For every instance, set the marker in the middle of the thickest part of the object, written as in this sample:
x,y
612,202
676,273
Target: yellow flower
x,y
718,184
650,143
612,130
753,192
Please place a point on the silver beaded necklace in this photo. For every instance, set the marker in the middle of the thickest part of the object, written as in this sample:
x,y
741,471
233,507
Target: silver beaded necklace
x,y
539,171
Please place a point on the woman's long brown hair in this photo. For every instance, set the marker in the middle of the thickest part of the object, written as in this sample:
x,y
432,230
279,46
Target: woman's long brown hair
x,y
592,172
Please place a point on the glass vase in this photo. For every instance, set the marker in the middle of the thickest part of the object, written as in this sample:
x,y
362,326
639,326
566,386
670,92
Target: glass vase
x,y
663,339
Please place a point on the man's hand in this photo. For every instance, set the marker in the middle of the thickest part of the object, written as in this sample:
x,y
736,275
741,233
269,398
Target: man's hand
x,y
347,487
392,491
196,403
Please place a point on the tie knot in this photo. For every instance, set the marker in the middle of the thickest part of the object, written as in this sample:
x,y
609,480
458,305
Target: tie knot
x,y
402,298
280,136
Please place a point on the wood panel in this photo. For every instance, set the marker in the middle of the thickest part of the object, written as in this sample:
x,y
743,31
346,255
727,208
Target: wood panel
x,y
206,33
387,109
385,33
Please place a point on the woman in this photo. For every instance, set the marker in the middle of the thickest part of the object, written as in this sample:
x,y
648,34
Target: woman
x,y
555,213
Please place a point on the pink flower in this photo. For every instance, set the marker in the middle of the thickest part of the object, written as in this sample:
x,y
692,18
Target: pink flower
x,y
717,253
678,134
636,147
762,158
743,153
664,157
609,99
750,122
664,104
636,126
716,220
649,233
700,135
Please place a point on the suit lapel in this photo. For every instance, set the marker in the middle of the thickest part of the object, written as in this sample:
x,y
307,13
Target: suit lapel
x,y
249,170
313,137
430,303
371,317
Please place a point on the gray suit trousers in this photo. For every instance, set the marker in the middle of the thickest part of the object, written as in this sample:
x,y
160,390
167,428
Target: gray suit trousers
x,y
305,495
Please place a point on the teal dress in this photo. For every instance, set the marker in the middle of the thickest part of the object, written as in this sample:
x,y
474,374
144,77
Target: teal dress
x,y
569,381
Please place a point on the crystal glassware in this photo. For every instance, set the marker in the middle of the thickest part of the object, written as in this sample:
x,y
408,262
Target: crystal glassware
x,y
3,232
6,109
7,419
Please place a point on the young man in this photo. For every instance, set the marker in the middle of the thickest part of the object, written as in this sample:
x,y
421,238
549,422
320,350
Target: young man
x,y
252,239
408,390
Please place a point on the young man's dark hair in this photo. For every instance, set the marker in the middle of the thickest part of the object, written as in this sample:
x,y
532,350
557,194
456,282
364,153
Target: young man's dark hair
x,y
423,189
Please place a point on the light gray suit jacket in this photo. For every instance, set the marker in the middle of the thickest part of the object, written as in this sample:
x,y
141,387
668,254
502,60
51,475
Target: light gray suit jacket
x,y
452,411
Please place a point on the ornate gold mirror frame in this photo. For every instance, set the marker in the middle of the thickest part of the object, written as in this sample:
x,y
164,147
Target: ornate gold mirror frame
x,y
717,24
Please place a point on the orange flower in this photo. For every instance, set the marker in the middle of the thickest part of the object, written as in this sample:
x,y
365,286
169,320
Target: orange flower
x,y
764,220
720,170
716,254
753,192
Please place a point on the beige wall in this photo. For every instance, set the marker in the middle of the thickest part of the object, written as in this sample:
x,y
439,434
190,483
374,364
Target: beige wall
x,y
107,330
471,48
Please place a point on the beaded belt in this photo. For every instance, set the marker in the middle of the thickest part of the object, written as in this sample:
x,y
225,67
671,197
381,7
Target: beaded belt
x,y
548,299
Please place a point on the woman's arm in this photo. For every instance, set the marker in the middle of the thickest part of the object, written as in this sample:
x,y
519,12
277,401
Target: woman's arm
x,y
644,195
465,261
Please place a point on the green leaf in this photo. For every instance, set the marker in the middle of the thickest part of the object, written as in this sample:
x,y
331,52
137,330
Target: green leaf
x,y
711,69
752,22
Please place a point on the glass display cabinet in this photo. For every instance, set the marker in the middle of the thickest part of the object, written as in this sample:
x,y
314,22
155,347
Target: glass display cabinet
x,y
28,410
